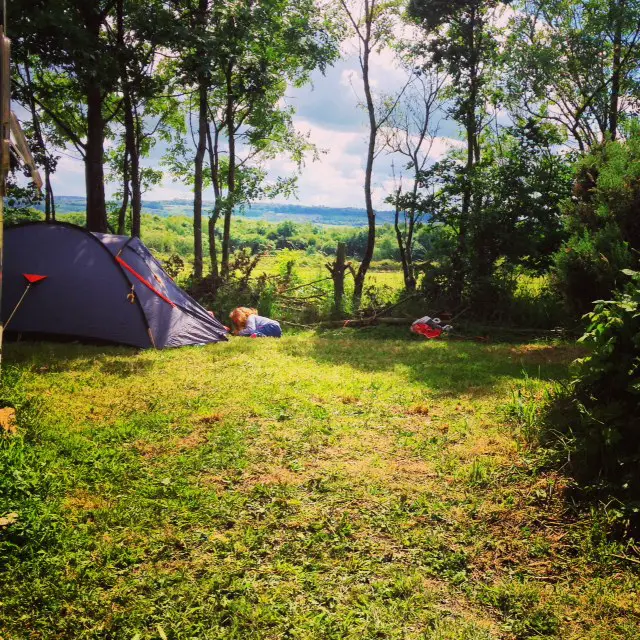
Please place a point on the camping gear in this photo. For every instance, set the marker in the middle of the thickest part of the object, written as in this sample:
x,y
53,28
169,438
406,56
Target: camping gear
x,y
98,287
430,327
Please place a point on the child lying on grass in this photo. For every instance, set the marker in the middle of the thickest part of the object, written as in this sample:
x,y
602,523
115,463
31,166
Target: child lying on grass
x,y
247,322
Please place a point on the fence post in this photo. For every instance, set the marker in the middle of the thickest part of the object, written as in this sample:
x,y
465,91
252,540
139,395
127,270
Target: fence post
x,y
337,270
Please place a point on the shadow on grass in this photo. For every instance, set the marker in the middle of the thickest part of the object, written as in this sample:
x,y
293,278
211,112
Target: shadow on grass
x,y
600,456
53,357
443,365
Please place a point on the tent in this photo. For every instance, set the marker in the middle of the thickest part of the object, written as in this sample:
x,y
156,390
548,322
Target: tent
x,y
60,279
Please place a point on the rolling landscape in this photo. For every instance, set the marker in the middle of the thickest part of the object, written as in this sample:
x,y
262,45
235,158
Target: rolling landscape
x,y
268,211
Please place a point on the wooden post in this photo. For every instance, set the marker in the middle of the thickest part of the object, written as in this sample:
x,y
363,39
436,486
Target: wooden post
x,y
337,270
5,134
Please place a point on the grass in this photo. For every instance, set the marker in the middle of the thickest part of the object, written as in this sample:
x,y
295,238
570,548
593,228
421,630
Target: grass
x,y
310,268
333,485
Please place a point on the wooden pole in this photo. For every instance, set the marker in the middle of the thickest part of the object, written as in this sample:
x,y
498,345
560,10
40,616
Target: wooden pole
x,y
5,133
337,270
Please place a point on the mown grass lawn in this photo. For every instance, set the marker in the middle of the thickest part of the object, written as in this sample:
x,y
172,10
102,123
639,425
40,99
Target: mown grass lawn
x,y
334,485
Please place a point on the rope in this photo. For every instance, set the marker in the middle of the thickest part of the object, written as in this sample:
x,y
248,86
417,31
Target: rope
x,y
13,313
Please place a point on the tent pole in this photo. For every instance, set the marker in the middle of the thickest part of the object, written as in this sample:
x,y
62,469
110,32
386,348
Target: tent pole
x,y
5,115
1,253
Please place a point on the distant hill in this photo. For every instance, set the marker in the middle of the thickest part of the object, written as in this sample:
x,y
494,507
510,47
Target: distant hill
x,y
271,212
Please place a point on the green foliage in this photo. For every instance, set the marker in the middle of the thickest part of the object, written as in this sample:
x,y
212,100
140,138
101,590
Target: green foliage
x,y
550,69
592,425
607,382
603,222
20,202
173,265
520,185
588,266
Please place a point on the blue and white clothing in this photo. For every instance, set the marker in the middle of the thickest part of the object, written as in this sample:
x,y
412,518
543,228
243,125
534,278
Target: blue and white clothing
x,y
261,327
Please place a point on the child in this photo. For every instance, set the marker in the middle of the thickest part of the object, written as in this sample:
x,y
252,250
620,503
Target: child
x,y
247,322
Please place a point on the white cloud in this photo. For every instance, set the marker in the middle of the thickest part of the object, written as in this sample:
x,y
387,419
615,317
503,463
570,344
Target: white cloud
x,y
336,178
329,110
170,191
441,146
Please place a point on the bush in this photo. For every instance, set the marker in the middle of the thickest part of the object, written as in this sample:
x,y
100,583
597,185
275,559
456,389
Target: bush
x,y
602,218
588,267
595,421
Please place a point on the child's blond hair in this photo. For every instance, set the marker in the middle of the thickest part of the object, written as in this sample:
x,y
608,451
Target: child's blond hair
x,y
239,317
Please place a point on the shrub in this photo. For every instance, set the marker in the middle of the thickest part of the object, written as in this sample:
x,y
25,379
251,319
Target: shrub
x,y
595,421
602,218
588,267
174,265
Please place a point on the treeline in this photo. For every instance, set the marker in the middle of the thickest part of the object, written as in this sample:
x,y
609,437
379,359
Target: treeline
x,y
174,235
541,91
206,78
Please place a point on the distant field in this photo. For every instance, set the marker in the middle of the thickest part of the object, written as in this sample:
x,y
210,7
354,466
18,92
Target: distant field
x,y
312,268
271,212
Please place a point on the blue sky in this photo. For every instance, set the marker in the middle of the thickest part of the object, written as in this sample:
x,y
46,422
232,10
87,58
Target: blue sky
x,y
327,109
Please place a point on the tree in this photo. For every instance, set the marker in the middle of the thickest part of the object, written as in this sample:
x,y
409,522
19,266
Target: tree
x,y
371,22
409,133
576,63
73,79
602,220
247,55
460,37
43,138
523,185
147,108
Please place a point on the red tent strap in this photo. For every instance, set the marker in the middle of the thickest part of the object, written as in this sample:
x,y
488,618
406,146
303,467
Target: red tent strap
x,y
133,272
32,278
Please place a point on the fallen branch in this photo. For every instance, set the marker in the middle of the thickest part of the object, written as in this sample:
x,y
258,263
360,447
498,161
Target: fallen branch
x,y
297,324
623,557
393,306
314,296
301,286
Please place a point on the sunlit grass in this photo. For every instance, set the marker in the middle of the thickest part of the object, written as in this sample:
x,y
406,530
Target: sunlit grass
x,y
347,484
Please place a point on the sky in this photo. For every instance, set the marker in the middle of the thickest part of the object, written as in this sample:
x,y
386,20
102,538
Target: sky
x,y
328,111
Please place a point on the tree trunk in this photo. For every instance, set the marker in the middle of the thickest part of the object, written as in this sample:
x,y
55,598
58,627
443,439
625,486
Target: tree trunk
x,y
213,252
400,239
410,284
473,153
373,130
198,179
49,204
616,71
94,159
131,149
122,214
203,85
231,175
214,217
337,274
136,177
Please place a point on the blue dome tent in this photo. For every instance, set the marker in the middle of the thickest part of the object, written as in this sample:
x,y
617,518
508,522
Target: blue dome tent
x,y
62,280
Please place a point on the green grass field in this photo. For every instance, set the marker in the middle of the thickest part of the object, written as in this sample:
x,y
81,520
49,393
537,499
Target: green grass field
x,y
311,268
347,484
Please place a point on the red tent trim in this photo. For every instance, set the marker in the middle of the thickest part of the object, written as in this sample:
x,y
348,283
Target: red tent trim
x,y
32,278
134,273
